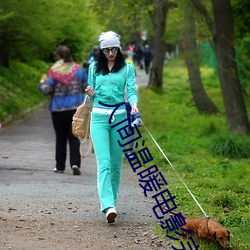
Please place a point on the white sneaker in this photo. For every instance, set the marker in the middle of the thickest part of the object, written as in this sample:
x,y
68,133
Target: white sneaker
x,y
111,214
58,171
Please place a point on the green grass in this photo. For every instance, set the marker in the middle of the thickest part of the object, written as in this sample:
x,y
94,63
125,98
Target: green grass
x,y
19,87
214,164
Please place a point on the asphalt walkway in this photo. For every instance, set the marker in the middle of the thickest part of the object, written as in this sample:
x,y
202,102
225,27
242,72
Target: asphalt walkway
x,y
30,190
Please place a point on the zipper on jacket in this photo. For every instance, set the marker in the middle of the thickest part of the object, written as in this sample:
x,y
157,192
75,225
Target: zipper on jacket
x,y
109,87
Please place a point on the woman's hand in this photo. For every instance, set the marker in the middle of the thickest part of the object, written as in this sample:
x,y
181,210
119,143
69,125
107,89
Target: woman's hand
x,y
134,109
90,91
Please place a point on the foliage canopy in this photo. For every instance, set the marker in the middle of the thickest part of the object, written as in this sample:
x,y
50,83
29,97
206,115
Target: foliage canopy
x,y
28,33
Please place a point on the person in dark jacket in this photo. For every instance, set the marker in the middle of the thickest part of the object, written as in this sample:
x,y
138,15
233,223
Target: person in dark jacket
x,y
147,54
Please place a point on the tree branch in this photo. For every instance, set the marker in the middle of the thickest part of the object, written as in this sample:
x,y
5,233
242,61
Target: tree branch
x,y
172,5
202,9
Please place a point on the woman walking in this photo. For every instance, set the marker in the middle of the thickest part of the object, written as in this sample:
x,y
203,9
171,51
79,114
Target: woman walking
x,y
65,84
108,78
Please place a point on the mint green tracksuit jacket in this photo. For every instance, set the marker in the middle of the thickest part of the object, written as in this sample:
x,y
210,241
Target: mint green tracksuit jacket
x,y
109,89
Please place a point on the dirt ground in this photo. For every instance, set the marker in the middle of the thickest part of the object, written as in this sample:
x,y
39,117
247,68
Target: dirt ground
x,y
40,209
50,234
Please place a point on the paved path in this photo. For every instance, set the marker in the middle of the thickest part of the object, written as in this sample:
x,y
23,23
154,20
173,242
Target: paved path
x,y
27,160
26,163
141,78
48,202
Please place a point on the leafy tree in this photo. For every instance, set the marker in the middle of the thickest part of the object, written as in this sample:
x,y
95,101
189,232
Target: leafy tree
x,y
28,33
24,32
241,18
201,99
221,28
242,33
126,17
175,24
138,15
156,72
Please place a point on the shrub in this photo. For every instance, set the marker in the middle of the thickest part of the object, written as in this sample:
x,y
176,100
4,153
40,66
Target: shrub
x,y
231,146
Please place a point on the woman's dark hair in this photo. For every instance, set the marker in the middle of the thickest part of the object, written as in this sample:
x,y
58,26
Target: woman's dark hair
x,y
63,52
102,67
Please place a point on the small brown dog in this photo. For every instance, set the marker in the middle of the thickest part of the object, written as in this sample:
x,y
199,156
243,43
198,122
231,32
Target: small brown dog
x,y
208,229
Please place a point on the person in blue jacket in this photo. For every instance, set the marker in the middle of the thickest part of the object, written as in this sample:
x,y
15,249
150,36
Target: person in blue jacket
x,y
108,77
65,83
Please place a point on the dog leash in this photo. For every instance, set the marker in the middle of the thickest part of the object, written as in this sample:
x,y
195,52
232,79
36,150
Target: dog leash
x,y
174,170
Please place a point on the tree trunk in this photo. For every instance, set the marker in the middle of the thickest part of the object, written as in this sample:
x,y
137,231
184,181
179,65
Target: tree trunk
x,y
235,109
223,38
159,46
201,99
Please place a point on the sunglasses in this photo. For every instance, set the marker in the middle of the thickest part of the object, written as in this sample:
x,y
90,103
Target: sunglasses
x,y
106,51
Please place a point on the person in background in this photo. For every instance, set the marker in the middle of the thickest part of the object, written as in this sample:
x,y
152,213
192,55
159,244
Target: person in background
x,y
147,54
65,83
93,54
138,53
128,59
108,77
92,57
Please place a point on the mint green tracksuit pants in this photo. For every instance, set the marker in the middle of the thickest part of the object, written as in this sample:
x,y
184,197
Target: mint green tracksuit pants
x,y
108,155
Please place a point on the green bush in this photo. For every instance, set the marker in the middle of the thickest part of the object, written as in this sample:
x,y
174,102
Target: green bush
x,y
231,146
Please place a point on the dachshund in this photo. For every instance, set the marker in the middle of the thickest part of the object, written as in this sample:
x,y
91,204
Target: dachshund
x,y
207,229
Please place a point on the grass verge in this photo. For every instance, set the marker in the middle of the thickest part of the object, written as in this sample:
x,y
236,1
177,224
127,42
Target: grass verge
x,y
19,89
214,164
